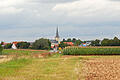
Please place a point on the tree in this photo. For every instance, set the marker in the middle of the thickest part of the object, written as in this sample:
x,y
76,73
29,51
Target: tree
x,y
73,40
96,42
2,43
41,44
63,45
105,42
23,45
69,40
77,42
64,40
1,48
8,46
116,41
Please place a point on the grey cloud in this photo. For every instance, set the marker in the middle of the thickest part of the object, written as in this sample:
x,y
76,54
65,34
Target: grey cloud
x,y
52,1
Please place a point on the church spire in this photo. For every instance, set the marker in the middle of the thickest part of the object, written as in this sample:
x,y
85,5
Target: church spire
x,y
57,33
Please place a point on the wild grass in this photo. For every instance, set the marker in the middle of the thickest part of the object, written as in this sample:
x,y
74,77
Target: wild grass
x,y
21,52
9,68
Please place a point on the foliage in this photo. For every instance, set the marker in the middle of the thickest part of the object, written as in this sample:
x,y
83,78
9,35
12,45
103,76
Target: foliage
x,y
63,45
8,46
42,44
74,40
1,49
111,42
23,45
95,43
77,42
91,51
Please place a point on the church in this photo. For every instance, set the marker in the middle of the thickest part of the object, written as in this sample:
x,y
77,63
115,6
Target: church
x,y
55,42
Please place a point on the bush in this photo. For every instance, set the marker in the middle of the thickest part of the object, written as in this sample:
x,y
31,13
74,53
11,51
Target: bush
x,y
91,51
1,48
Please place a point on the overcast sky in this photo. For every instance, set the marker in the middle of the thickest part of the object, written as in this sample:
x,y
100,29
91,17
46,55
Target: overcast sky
x,y
85,19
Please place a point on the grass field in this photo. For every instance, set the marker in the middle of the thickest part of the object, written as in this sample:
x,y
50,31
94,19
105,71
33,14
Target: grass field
x,y
59,67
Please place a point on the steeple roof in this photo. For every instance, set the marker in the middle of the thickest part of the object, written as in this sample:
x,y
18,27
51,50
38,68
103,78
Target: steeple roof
x,y
57,33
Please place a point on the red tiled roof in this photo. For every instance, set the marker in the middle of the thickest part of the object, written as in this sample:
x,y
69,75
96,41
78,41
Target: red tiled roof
x,y
69,43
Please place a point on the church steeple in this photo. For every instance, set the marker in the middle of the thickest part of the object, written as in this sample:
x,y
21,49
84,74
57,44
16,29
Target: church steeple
x,y
57,35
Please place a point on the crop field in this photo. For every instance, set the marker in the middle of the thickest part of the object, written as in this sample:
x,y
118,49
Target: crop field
x,y
59,67
91,51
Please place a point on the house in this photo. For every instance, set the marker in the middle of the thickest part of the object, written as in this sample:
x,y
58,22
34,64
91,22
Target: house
x,y
69,43
54,43
14,46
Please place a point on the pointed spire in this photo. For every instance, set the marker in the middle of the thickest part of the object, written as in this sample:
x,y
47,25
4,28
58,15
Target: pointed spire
x,y
57,33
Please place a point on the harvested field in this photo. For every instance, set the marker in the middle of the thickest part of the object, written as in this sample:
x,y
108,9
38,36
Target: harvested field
x,y
103,68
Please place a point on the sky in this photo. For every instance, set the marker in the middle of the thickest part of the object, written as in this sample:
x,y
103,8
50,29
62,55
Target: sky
x,y
28,20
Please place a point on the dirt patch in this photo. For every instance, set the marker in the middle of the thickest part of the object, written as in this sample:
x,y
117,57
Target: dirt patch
x,y
102,69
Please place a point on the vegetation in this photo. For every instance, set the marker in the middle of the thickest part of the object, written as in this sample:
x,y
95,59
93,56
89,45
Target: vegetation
x,y
91,51
8,46
40,68
10,67
42,44
21,52
1,49
63,45
23,45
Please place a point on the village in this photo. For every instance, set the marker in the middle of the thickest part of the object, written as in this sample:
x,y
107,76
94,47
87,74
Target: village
x,y
55,43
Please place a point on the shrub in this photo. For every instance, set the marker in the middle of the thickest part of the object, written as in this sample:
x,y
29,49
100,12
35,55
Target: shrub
x,y
91,51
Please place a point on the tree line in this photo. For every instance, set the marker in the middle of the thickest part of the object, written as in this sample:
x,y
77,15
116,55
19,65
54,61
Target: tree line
x,y
106,42
45,44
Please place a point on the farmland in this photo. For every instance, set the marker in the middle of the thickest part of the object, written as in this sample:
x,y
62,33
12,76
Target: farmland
x,y
28,66
91,51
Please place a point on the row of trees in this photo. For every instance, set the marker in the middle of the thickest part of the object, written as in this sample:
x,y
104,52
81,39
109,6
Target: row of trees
x,y
106,42
38,44
75,41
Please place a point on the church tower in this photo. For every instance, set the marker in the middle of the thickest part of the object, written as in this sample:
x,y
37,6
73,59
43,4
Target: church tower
x,y
57,35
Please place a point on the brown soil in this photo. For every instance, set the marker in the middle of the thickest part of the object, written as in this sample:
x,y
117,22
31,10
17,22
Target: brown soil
x,y
102,69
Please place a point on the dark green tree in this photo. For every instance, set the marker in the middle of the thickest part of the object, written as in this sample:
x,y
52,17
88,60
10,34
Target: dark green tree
x,y
77,42
96,42
63,45
23,45
116,41
74,40
41,44
1,49
8,46
69,40
105,42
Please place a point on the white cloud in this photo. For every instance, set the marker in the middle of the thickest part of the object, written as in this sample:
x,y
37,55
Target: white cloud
x,y
10,6
86,9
